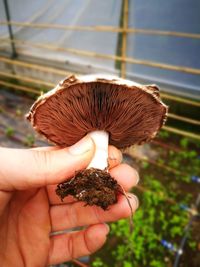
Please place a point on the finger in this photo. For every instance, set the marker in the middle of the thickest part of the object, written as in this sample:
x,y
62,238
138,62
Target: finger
x,y
5,196
4,199
114,154
126,176
114,157
76,214
76,244
25,168
54,199
45,148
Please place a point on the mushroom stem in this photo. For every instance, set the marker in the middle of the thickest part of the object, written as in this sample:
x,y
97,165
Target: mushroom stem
x,y
100,159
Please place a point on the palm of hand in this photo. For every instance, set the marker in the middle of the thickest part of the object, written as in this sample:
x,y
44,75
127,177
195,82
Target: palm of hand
x,y
25,229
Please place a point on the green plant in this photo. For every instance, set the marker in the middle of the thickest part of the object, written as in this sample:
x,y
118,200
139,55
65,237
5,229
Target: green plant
x,y
98,262
184,142
159,216
142,247
18,112
145,164
163,134
9,131
29,140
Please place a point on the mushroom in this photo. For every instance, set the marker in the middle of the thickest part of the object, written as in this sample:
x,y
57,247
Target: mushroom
x,y
112,111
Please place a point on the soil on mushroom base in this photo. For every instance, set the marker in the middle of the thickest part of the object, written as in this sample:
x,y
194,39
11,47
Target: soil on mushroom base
x,y
92,186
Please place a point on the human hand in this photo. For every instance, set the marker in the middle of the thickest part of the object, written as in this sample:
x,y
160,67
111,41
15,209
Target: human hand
x,y
30,210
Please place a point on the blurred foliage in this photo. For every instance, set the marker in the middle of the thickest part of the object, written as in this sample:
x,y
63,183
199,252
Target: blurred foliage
x,y
157,218
18,112
9,131
29,140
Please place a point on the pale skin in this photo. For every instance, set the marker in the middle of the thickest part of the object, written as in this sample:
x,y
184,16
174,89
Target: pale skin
x,y
30,210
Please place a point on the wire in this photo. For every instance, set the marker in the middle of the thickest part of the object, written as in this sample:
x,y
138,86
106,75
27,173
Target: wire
x,y
185,119
180,99
20,87
181,132
186,231
35,66
64,73
105,56
102,28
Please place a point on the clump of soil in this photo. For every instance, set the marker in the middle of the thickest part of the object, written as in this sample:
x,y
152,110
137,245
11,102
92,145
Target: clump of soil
x,y
93,186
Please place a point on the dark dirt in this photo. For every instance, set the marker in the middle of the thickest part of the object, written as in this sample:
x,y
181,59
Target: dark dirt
x,y
92,186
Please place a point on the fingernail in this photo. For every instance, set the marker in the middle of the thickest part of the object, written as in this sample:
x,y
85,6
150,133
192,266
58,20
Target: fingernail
x,y
136,201
137,178
83,146
107,228
116,155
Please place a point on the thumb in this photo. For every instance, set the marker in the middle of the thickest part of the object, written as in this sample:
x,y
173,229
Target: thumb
x,y
25,168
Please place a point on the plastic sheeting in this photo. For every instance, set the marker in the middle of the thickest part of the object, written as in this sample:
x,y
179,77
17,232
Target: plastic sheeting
x,y
71,13
174,15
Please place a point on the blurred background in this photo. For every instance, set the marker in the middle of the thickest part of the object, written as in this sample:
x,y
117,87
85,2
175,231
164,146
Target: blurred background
x,y
43,41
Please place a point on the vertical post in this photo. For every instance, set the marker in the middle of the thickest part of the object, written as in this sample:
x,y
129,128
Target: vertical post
x,y
11,36
124,37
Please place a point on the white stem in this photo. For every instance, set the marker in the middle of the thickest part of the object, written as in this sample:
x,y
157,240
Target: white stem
x,y
100,159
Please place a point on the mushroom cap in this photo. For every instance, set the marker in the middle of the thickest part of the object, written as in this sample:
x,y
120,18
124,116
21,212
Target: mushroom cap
x,y
131,113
